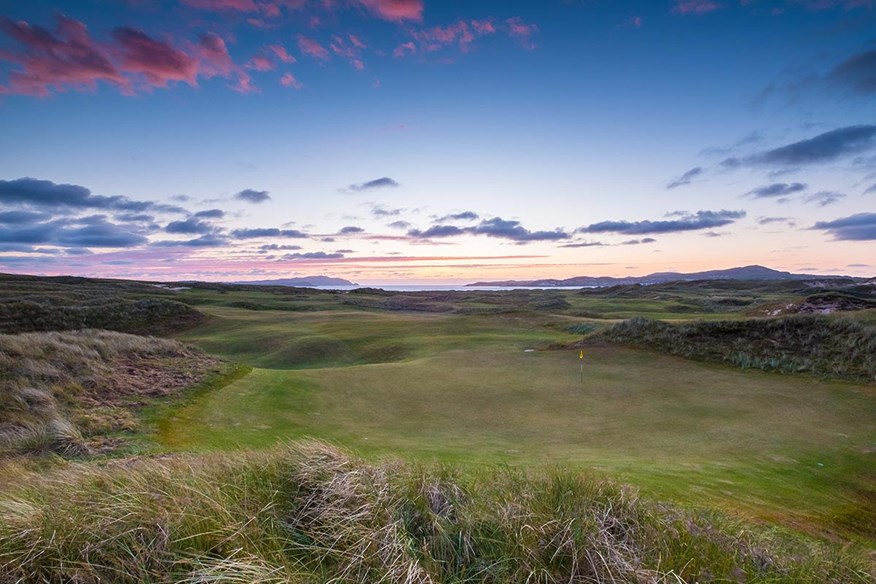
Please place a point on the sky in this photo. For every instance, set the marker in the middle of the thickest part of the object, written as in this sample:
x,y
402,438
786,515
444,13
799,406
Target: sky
x,y
429,141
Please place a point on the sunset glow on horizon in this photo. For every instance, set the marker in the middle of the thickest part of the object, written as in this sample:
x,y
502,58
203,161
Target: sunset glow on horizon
x,y
420,141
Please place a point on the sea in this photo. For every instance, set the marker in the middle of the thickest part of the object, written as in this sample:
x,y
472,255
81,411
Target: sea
x,y
450,288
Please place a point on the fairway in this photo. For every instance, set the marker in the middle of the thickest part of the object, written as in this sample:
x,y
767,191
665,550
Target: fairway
x,y
791,449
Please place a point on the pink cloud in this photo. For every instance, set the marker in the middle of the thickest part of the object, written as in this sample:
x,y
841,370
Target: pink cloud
x,y
281,53
157,61
261,64
483,27
270,10
311,48
395,10
69,58
633,22
349,51
522,31
697,7
288,80
404,48
227,5
215,60
829,4
66,58
437,37
462,34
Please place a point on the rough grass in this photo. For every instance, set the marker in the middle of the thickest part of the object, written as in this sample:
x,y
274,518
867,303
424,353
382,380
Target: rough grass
x,y
829,347
141,316
34,304
311,513
58,391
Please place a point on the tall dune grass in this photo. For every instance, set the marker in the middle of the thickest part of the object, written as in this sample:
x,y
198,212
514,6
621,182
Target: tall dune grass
x,y
311,513
56,388
831,347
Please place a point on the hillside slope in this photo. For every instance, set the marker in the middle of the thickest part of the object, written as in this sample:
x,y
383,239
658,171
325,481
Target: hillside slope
x,y
65,392
830,347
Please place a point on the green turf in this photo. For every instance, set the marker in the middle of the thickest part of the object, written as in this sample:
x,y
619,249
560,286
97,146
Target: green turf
x,y
787,449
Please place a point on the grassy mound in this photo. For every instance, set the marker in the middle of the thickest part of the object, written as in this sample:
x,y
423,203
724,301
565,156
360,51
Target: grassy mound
x,y
57,390
35,304
840,348
310,513
143,316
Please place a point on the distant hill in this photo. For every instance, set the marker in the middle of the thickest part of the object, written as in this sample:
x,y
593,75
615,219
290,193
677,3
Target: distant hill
x,y
742,273
308,282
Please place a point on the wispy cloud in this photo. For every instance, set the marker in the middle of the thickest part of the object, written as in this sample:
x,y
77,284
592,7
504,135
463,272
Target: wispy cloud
x,y
77,233
495,227
258,232
857,73
437,231
211,214
776,190
463,216
280,52
772,220
584,244
65,58
68,58
395,10
522,31
859,227
825,147
253,196
392,10
685,222
378,183
208,240
289,80
824,198
277,247
685,178
59,196
313,255
190,225
696,7
463,33
229,5
381,211
312,48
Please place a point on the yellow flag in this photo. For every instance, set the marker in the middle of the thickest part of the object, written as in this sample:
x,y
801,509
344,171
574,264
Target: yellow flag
x,y
581,355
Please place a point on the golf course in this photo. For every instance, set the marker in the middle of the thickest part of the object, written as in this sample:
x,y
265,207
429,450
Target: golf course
x,y
543,383
488,389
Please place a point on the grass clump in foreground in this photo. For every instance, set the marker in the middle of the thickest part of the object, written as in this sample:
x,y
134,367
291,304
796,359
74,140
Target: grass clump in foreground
x,y
841,348
66,392
311,513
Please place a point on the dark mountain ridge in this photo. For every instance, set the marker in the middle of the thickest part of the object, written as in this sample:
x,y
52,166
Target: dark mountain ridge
x,y
754,272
